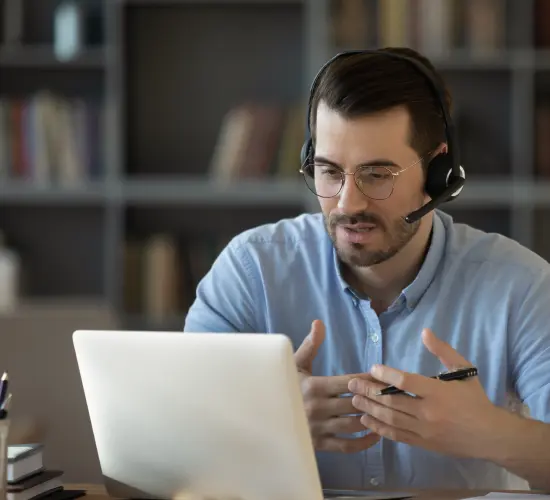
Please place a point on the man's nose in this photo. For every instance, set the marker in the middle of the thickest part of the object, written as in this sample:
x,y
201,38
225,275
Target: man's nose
x,y
351,199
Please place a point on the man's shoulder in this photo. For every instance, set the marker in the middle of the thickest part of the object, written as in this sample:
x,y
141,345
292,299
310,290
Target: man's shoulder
x,y
285,233
473,247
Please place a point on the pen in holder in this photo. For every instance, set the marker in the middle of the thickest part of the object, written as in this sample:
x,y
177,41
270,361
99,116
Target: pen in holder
x,y
4,434
5,399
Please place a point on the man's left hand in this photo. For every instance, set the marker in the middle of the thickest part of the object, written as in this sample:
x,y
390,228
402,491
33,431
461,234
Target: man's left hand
x,y
454,418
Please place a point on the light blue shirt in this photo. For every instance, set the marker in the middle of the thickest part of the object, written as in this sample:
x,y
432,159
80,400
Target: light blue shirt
x,y
482,293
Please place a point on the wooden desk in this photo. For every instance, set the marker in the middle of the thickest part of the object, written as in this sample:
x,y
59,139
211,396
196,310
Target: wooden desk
x,y
93,491
97,492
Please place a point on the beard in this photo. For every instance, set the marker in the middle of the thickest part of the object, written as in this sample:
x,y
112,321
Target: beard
x,y
394,238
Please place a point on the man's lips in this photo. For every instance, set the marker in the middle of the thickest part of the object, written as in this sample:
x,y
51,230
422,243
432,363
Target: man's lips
x,y
358,227
357,233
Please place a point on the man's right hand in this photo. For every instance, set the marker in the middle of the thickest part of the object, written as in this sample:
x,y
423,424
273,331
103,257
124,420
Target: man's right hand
x,y
327,411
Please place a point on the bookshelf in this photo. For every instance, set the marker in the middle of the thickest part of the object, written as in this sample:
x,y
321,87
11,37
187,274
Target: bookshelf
x,y
158,203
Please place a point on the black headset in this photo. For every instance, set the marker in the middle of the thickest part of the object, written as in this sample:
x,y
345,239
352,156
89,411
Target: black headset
x,y
445,176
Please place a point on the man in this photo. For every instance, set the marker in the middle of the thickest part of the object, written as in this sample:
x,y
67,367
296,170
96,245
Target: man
x,y
390,302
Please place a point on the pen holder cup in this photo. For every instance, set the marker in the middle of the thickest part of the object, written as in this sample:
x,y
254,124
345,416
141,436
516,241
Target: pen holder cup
x,y
4,434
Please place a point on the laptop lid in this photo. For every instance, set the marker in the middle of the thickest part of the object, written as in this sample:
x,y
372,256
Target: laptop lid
x,y
185,414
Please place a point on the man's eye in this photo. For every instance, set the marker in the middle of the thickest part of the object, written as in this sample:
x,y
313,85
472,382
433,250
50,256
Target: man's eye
x,y
330,172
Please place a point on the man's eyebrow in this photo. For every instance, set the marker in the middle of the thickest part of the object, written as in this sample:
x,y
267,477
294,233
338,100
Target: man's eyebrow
x,y
381,162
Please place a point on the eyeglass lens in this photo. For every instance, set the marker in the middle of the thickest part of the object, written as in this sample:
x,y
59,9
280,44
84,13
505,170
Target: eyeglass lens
x,y
326,181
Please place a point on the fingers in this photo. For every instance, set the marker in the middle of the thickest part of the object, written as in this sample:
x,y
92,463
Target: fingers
x,y
345,445
448,356
339,384
325,397
390,432
323,408
314,387
385,414
305,354
337,425
366,390
412,383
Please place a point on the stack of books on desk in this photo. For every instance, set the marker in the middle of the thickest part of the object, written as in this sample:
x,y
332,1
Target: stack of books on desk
x,y
28,478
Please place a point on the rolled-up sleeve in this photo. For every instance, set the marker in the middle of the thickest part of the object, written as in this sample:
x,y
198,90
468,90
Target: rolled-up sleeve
x,y
531,347
226,297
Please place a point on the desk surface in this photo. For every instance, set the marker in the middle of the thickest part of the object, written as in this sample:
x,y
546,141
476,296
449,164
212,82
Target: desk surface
x,y
97,492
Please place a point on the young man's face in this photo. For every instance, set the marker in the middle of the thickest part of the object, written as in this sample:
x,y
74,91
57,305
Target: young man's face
x,y
366,231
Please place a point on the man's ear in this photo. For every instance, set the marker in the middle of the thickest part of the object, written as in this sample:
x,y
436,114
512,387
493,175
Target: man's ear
x,y
441,149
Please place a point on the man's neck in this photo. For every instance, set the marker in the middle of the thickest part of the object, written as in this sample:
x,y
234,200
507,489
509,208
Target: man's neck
x,y
383,283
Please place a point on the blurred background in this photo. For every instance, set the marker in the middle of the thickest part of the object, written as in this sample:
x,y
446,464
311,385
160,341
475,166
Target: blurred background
x,y
137,137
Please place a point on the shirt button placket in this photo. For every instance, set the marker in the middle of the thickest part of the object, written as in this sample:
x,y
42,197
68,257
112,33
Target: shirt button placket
x,y
373,465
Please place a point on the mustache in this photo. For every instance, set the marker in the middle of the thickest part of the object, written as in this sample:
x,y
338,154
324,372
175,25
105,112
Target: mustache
x,y
359,218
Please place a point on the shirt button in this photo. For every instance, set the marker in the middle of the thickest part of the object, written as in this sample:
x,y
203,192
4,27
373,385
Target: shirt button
x,y
375,338
374,481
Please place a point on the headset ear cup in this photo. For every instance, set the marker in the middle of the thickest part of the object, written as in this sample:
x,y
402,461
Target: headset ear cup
x,y
439,172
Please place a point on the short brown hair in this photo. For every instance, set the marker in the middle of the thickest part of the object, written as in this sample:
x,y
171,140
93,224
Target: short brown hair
x,y
369,82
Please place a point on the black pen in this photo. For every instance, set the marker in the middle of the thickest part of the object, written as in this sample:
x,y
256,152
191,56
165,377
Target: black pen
x,y
4,409
446,377
4,383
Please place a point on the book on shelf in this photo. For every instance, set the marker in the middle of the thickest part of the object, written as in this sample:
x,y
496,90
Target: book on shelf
x,y
259,140
28,477
162,273
47,138
434,27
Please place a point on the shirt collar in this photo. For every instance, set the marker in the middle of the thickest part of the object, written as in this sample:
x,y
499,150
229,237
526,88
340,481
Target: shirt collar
x,y
413,292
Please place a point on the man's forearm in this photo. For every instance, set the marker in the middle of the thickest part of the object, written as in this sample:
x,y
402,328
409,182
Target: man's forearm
x,y
523,448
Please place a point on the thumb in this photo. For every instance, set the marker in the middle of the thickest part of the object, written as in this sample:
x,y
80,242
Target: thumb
x,y
305,354
448,356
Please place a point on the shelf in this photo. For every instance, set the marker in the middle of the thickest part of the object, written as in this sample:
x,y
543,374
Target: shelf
x,y
503,192
204,192
43,57
478,193
21,192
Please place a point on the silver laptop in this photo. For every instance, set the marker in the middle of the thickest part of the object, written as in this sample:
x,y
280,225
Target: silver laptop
x,y
193,416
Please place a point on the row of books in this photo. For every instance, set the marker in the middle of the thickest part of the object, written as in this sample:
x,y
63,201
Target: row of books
x,y
28,477
48,138
258,139
434,27
264,139
161,273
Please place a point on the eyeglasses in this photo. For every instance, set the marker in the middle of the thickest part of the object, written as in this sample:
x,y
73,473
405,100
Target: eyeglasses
x,y
375,182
